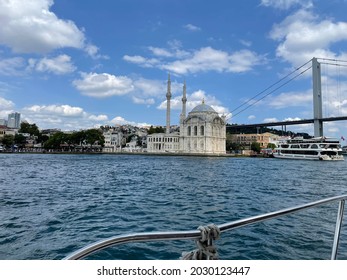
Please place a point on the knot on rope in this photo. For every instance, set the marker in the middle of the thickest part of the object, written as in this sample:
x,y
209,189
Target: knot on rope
x,y
206,249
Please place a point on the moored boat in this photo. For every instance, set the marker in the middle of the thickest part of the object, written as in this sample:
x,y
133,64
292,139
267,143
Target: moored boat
x,y
344,150
318,148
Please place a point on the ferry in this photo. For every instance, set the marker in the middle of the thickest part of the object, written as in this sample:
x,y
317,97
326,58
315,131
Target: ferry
x,y
317,148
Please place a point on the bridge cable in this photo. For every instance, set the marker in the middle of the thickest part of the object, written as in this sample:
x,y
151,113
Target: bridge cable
x,y
250,105
279,81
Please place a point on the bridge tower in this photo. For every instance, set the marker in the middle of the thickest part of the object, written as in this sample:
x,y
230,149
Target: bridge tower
x,y
317,98
168,109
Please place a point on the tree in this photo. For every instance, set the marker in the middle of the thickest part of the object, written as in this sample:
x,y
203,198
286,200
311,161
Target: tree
x,y
19,140
8,140
32,129
158,129
94,136
42,138
54,141
77,138
271,146
255,146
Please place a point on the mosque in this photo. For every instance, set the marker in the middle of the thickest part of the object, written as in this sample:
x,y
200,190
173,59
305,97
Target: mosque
x,y
201,132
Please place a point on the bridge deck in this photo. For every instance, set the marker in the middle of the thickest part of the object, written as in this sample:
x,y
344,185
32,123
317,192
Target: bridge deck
x,y
284,123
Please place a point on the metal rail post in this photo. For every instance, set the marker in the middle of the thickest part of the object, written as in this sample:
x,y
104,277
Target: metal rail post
x,y
338,229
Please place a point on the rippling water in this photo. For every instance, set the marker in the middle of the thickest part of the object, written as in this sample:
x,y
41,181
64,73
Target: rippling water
x,y
51,205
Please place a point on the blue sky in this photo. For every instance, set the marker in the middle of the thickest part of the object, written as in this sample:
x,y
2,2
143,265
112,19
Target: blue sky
x,y
80,64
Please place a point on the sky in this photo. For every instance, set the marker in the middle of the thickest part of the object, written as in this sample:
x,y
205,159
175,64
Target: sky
x,y
80,64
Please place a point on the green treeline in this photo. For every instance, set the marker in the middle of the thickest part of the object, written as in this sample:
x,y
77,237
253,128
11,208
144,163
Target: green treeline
x,y
84,137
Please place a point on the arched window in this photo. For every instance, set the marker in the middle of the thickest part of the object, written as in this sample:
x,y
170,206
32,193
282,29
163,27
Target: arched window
x,y
202,130
189,131
195,130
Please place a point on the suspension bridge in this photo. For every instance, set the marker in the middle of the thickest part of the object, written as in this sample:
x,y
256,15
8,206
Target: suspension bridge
x,y
318,120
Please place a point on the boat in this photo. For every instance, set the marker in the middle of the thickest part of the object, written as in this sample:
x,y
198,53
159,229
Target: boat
x,y
317,148
344,150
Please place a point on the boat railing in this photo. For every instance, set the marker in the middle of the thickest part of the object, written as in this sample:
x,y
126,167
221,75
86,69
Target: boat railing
x,y
196,234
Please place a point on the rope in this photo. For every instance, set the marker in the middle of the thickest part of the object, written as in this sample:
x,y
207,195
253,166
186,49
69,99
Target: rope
x,y
206,250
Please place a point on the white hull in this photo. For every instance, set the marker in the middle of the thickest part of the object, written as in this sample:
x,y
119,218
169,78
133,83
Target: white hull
x,y
320,148
307,157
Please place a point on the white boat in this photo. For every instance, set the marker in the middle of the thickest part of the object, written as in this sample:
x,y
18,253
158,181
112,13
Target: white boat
x,y
318,148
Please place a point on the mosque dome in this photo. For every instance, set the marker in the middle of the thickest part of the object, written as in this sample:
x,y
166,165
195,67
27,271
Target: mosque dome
x,y
202,108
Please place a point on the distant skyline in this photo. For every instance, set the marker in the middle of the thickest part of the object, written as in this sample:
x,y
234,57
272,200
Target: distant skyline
x,y
81,64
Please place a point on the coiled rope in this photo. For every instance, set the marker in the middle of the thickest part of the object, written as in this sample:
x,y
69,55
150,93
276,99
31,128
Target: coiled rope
x,y
206,249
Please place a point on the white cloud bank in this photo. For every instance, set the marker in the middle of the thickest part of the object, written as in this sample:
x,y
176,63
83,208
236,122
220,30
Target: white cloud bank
x,y
201,60
30,27
103,85
286,4
12,66
304,35
67,117
6,107
58,65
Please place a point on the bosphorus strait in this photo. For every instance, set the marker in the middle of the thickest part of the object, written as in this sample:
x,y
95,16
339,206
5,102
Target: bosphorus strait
x,y
53,204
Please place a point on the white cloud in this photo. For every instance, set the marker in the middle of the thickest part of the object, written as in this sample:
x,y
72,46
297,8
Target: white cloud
x,y
202,60
209,59
61,110
121,121
334,94
286,4
30,26
174,50
304,35
251,117
144,62
160,52
291,99
147,91
65,117
150,87
103,85
6,107
58,65
291,119
93,52
140,90
246,43
268,120
192,27
98,118
12,66
147,101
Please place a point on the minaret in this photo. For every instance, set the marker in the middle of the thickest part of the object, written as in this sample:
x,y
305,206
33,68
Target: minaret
x,y
168,97
184,101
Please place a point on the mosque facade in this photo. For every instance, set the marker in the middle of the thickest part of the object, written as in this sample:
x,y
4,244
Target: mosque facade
x,y
203,131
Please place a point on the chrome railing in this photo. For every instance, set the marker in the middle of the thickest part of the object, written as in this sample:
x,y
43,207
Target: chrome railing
x,y
196,235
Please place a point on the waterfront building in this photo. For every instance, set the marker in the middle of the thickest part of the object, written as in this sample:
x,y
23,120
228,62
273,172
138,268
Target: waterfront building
x,y
3,122
13,120
203,131
113,141
4,130
263,139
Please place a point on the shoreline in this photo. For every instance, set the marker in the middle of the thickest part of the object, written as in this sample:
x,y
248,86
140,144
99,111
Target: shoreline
x,y
141,154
